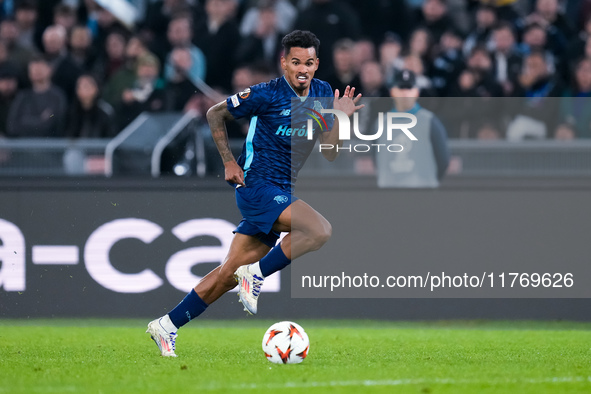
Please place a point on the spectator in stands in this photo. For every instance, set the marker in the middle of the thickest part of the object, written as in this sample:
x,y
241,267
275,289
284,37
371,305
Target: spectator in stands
x,y
180,87
8,91
534,38
377,17
363,51
423,82
390,57
537,38
536,79
472,112
576,47
158,15
547,15
331,21
263,73
344,66
575,104
18,54
218,39
242,78
65,15
185,61
65,70
25,16
565,132
448,62
505,9
420,44
125,77
264,42
89,116
480,61
506,59
372,85
285,15
41,110
456,111
481,34
372,80
81,50
113,57
104,25
146,94
538,113
433,16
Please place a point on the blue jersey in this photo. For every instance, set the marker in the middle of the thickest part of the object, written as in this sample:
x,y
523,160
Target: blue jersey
x,y
277,143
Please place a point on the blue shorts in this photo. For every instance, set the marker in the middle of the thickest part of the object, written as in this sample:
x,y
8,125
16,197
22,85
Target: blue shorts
x,y
260,206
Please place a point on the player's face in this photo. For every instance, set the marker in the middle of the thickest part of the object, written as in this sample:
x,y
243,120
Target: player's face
x,y
299,66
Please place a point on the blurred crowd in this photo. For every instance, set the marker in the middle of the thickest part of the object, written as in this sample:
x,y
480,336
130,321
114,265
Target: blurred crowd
x,y
493,69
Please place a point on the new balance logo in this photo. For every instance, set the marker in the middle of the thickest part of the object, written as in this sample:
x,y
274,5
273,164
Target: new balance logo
x,y
285,112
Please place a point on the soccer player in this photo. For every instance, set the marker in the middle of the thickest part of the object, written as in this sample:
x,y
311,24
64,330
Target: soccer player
x,y
264,177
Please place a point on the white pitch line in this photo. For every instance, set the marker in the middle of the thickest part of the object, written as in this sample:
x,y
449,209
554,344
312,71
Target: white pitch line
x,y
397,382
352,383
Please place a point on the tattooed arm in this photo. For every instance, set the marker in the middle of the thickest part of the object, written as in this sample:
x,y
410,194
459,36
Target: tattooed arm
x,y
217,116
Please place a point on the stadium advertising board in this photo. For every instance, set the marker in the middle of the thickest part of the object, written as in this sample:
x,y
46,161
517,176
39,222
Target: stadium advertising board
x,y
133,252
62,251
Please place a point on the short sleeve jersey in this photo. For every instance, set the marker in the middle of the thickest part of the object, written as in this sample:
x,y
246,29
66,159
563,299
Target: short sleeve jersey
x,y
277,145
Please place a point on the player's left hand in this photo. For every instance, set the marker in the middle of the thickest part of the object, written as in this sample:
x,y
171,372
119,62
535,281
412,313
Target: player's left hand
x,y
347,103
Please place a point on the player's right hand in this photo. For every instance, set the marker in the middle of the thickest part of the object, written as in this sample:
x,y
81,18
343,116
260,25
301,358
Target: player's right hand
x,y
234,173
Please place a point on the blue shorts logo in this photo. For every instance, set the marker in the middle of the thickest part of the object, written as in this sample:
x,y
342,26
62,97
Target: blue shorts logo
x,y
281,199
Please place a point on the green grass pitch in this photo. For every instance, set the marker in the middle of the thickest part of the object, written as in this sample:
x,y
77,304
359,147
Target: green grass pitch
x,y
116,356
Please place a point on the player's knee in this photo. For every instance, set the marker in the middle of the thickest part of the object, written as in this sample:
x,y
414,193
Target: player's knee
x,y
321,235
326,233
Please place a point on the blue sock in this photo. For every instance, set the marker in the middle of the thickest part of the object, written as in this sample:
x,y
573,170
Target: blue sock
x,y
274,261
189,308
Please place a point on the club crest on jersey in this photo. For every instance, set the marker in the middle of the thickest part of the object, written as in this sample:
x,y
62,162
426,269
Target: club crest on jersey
x,y
317,106
281,199
244,94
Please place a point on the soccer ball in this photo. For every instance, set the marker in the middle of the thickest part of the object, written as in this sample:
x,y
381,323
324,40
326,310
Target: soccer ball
x,y
286,342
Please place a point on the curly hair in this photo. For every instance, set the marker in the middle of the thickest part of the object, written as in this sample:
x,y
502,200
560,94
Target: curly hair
x,y
300,39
